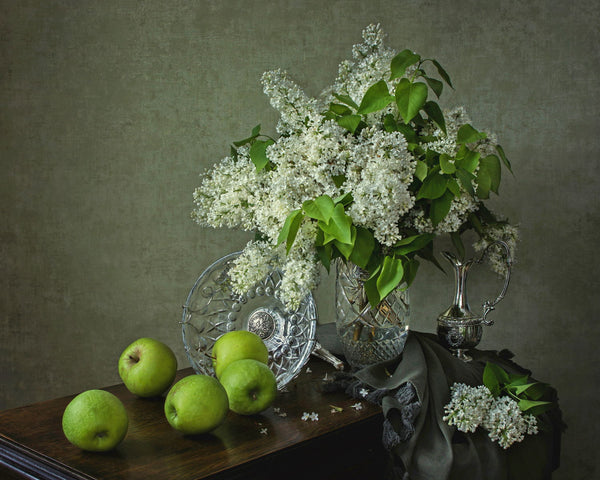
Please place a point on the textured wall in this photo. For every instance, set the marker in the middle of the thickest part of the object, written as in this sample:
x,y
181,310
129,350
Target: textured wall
x,y
110,110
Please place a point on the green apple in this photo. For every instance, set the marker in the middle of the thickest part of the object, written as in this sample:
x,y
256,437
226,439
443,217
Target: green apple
x,y
95,420
250,385
196,404
237,345
147,367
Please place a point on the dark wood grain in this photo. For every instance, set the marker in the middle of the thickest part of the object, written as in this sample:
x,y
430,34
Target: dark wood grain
x,y
31,438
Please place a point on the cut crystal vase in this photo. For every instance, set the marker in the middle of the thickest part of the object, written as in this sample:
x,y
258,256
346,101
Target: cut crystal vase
x,y
368,334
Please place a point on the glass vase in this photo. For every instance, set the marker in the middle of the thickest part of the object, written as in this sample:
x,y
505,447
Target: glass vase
x,y
368,334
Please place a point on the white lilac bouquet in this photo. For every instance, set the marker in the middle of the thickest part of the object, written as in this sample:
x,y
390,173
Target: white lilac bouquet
x,y
506,405
472,407
370,172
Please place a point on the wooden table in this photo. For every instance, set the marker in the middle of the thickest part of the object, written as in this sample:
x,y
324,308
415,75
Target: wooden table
x,y
275,444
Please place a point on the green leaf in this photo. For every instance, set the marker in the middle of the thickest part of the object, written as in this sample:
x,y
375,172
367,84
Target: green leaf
x,y
349,122
505,160
372,292
534,407
453,186
433,186
494,377
345,199
254,134
427,254
390,276
440,207
258,153
329,115
465,180
407,240
431,156
376,98
469,160
239,143
409,134
364,244
421,170
412,244
324,252
537,391
410,270
401,62
338,180
320,238
389,123
434,112
520,389
435,85
462,151
476,223
486,215
347,100
338,226
290,229
446,164
321,208
458,244
491,164
467,134
339,109
410,98
516,379
442,73
346,248
484,183
420,122
491,382
327,238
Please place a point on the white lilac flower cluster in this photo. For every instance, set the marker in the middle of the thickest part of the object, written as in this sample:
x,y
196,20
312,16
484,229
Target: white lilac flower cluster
x,y
472,407
496,257
310,154
370,63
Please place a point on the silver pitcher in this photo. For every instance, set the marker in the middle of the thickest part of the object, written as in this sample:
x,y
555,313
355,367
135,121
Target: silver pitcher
x,y
458,328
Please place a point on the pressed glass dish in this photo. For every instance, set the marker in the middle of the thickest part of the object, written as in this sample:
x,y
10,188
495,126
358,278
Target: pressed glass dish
x,y
212,309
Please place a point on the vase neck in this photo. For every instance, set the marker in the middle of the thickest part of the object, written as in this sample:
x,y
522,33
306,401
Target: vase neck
x,y
460,306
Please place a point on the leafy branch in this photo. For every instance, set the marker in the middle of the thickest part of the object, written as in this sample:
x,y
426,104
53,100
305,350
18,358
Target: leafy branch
x,y
258,149
338,237
439,178
528,394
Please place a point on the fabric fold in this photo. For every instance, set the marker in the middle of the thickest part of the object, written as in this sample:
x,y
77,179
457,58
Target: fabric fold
x,y
413,391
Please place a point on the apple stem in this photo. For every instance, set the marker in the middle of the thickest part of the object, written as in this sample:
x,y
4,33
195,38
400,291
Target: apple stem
x,y
135,359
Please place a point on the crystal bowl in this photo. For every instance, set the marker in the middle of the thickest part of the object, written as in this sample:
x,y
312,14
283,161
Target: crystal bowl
x,y
212,308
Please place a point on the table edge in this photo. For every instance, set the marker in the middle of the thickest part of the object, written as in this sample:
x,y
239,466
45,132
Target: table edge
x,y
29,463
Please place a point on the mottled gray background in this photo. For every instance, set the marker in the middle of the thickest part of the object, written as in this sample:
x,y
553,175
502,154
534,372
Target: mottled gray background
x,y
110,110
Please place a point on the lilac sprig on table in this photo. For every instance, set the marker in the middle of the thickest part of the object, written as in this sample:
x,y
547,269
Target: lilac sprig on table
x,y
506,405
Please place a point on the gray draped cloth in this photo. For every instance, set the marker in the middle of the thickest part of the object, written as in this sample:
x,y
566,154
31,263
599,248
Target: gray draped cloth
x,y
413,392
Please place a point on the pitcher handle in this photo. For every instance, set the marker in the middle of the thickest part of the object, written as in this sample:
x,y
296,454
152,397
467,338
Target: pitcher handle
x,y
488,305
